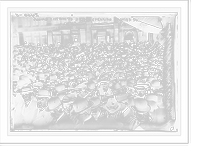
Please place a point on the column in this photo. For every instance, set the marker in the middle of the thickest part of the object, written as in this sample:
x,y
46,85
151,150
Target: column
x,y
82,36
88,33
116,32
49,22
150,37
135,35
21,38
20,22
62,38
49,37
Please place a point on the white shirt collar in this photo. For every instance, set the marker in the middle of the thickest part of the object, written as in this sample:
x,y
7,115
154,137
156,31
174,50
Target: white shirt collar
x,y
27,103
90,116
60,117
124,109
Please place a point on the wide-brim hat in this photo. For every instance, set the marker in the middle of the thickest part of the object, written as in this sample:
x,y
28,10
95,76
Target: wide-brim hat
x,y
81,86
43,93
141,83
153,105
116,86
53,78
52,85
130,85
80,105
141,105
61,96
104,79
159,115
38,84
72,86
53,103
123,81
155,84
96,102
121,96
91,85
69,98
112,105
60,88
26,89
152,97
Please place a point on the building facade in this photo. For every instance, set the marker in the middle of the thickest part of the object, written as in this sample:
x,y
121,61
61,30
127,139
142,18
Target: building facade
x,y
89,30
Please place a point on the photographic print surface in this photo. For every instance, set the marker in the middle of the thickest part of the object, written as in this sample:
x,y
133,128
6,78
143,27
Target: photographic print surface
x,y
92,71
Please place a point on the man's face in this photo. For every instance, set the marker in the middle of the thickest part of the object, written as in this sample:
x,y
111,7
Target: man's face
x,y
151,73
14,86
95,112
141,90
129,91
104,85
81,93
27,96
56,113
42,102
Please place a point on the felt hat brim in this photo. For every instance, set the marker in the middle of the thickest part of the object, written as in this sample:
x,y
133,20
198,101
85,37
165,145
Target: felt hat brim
x,y
147,109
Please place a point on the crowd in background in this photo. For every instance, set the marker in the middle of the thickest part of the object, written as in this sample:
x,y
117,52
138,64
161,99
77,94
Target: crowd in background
x,y
108,86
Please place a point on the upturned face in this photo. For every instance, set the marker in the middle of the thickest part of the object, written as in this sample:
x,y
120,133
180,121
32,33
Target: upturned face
x,y
104,85
141,90
42,103
56,113
95,114
129,91
27,96
14,86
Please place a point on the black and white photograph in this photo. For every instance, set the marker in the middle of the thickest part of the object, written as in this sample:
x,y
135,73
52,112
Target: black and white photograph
x,y
93,71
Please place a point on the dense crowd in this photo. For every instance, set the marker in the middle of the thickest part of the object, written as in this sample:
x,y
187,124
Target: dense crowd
x,y
86,76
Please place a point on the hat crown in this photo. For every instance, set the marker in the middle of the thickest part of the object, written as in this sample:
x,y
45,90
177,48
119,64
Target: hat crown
x,y
130,84
111,104
155,83
38,84
43,93
116,86
26,89
121,96
59,87
123,81
53,103
141,105
61,96
96,101
104,79
91,85
70,97
141,83
152,97
80,105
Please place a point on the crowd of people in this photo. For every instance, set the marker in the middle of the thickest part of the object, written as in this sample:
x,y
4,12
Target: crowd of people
x,y
98,75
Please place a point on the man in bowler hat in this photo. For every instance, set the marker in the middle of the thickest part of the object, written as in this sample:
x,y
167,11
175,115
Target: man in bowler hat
x,y
82,111
42,118
61,119
142,120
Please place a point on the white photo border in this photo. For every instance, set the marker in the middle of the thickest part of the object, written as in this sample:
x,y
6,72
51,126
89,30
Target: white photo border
x,y
7,137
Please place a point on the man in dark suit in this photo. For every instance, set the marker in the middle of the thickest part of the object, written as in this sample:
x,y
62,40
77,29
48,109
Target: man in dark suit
x,y
42,118
126,113
82,111
61,119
